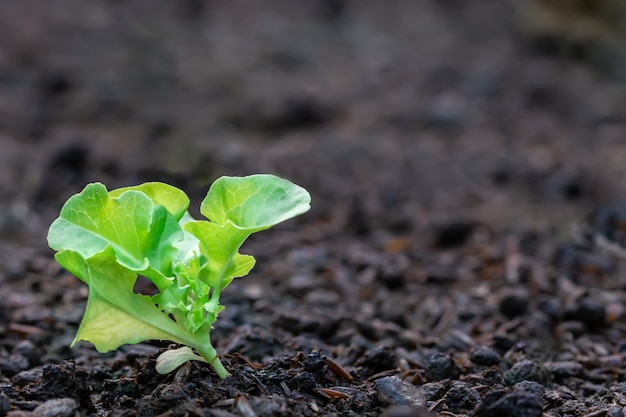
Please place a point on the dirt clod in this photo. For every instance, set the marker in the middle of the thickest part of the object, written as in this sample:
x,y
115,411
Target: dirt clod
x,y
516,403
58,407
441,366
395,391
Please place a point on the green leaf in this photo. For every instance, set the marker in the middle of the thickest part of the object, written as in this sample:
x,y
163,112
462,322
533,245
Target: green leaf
x,y
255,202
165,243
115,315
240,266
143,235
219,244
172,198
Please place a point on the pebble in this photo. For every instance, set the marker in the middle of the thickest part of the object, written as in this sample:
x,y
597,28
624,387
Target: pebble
x,y
27,349
13,364
58,407
28,376
169,392
523,370
484,355
514,304
551,307
453,234
615,411
461,396
515,403
441,366
531,387
573,408
376,360
592,313
395,391
564,368
433,390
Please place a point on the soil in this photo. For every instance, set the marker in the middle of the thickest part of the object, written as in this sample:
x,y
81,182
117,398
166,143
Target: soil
x,y
464,255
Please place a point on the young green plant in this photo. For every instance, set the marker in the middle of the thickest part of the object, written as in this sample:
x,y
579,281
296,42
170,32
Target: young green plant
x,y
108,238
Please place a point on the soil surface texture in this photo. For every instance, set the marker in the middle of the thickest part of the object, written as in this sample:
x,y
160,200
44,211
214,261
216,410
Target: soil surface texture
x,y
465,254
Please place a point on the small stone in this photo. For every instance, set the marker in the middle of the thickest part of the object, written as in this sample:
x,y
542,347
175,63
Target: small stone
x,y
554,397
484,355
377,360
395,391
13,364
27,349
523,370
441,366
492,376
615,411
453,234
516,403
531,387
564,369
433,390
58,407
169,392
26,377
551,307
573,407
514,304
592,313
461,397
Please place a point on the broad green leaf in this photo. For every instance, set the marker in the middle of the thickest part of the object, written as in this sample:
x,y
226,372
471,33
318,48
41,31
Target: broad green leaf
x,y
172,198
255,202
219,243
81,220
142,234
165,243
114,314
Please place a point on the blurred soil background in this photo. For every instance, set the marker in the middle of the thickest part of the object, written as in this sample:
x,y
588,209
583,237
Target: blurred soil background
x,y
452,150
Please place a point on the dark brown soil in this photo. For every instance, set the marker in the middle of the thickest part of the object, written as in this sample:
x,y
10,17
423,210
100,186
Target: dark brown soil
x,y
464,254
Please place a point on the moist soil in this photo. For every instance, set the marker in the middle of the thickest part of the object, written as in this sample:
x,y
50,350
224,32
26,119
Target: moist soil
x,y
464,251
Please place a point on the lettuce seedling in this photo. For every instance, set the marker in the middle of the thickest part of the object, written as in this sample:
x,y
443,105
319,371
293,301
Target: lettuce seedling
x,y
108,238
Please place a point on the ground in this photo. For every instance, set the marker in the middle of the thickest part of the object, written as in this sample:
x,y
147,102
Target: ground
x,y
463,254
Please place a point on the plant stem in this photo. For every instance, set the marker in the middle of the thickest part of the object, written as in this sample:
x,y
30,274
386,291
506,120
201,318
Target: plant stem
x,y
219,368
209,353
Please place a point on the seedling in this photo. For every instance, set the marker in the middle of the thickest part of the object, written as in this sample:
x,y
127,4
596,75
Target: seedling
x,y
108,238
